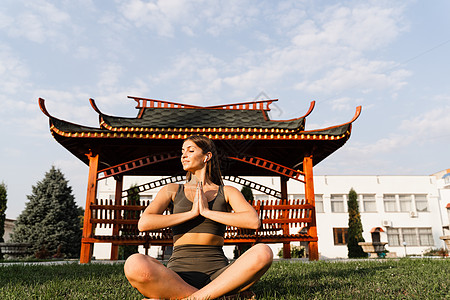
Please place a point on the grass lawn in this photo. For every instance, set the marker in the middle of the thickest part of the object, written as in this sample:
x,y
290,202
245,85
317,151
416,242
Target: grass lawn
x,y
360,279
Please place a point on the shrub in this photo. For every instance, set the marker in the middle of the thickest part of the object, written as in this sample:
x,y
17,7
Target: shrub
x,y
296,252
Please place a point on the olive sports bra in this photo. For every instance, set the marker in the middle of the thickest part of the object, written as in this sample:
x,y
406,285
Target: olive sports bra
x,y
199,224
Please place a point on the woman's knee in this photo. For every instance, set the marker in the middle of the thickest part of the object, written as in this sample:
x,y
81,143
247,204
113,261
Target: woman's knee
x,y
138,268
263,254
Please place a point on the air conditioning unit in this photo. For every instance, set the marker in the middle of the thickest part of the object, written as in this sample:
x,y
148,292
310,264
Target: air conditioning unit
x,y
413,214
387,223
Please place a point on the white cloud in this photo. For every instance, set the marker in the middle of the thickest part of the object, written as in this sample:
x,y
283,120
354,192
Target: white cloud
x,y
362,75
13,71
109,77
159,16
327,53
430,125
419,130
345,103
363,27
86,52
165,16
38,21
198,75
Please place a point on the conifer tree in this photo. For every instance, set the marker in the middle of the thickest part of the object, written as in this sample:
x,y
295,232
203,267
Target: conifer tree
x,y
50,221
133,198
3,200
241,248
355,228
247,193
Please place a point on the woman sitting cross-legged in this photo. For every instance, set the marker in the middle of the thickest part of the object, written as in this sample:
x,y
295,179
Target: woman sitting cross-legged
x,y
202,208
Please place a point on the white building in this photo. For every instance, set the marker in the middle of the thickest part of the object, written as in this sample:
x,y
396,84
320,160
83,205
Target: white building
x,y
413,211
9,227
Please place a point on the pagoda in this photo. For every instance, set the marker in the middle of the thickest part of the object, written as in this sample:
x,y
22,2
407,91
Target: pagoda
x,y
248,141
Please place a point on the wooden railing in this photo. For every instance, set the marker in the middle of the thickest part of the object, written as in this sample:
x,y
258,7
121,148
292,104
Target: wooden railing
x,y
282,221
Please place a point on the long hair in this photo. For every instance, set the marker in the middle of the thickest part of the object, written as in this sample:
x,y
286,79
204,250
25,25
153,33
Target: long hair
x,y
212,165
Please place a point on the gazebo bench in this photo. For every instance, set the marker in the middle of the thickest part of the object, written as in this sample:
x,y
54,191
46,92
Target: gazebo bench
x,y
282,221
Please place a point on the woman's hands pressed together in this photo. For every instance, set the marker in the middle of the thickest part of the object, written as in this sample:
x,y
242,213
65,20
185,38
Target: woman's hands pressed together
x,y
200,201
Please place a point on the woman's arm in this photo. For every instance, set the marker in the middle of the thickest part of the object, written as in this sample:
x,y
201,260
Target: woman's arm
x,y
244,215
152,218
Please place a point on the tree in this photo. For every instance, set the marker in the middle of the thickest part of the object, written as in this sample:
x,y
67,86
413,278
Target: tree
x,y
355,228
3,200
241,248
248,194
133,199
50,221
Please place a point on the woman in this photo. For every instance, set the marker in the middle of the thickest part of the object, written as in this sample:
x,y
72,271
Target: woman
x,y
198,268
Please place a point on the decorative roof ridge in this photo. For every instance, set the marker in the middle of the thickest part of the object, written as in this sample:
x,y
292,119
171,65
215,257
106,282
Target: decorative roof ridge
x,y
250,105
356,115
154,103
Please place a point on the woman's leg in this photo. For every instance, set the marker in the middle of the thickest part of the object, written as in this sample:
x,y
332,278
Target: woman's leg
x,y
154,280
242,274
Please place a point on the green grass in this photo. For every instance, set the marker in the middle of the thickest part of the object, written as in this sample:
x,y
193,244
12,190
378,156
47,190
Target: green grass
x,y
359,279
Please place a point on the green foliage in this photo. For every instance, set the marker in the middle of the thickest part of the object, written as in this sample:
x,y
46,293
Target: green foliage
x,y
355,229
3,200
248,194
50,220
296,252
436,252
133,199
241,248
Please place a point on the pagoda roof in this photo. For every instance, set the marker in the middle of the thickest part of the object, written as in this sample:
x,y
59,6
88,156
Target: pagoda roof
x,y
240,129
164,114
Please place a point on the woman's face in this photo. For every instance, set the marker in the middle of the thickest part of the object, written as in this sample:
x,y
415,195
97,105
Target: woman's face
x,y
192,157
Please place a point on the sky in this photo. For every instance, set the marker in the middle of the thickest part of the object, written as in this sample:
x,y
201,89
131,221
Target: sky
x,y
391,57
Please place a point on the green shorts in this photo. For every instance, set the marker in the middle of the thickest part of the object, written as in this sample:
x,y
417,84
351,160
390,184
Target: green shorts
x,y
198,265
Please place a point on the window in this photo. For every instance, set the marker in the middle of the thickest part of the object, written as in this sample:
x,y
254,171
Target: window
x,y
261,196
319,203
405,203
337,203
340,236
421,202
393,237
411,236
146,198
369,204
390,204
426,237
297,196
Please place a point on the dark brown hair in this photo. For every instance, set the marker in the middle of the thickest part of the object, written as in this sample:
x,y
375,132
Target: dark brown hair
x,y
212,165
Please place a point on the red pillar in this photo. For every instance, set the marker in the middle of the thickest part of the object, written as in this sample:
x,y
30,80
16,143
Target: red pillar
x,y
309,195
116,227
87,247
285,227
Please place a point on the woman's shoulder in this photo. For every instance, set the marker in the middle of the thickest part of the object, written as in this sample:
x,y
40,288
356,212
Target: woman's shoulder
x,y
228,189
171,188
174,186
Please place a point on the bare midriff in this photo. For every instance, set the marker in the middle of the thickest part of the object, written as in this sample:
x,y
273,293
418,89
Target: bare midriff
x,y
197,239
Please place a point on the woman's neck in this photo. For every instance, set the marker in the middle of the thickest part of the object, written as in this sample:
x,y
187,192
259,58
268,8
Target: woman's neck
x,y
199,176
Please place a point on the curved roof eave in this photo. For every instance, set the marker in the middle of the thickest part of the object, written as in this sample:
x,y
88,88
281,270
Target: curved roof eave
x,y
336,127
67,126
